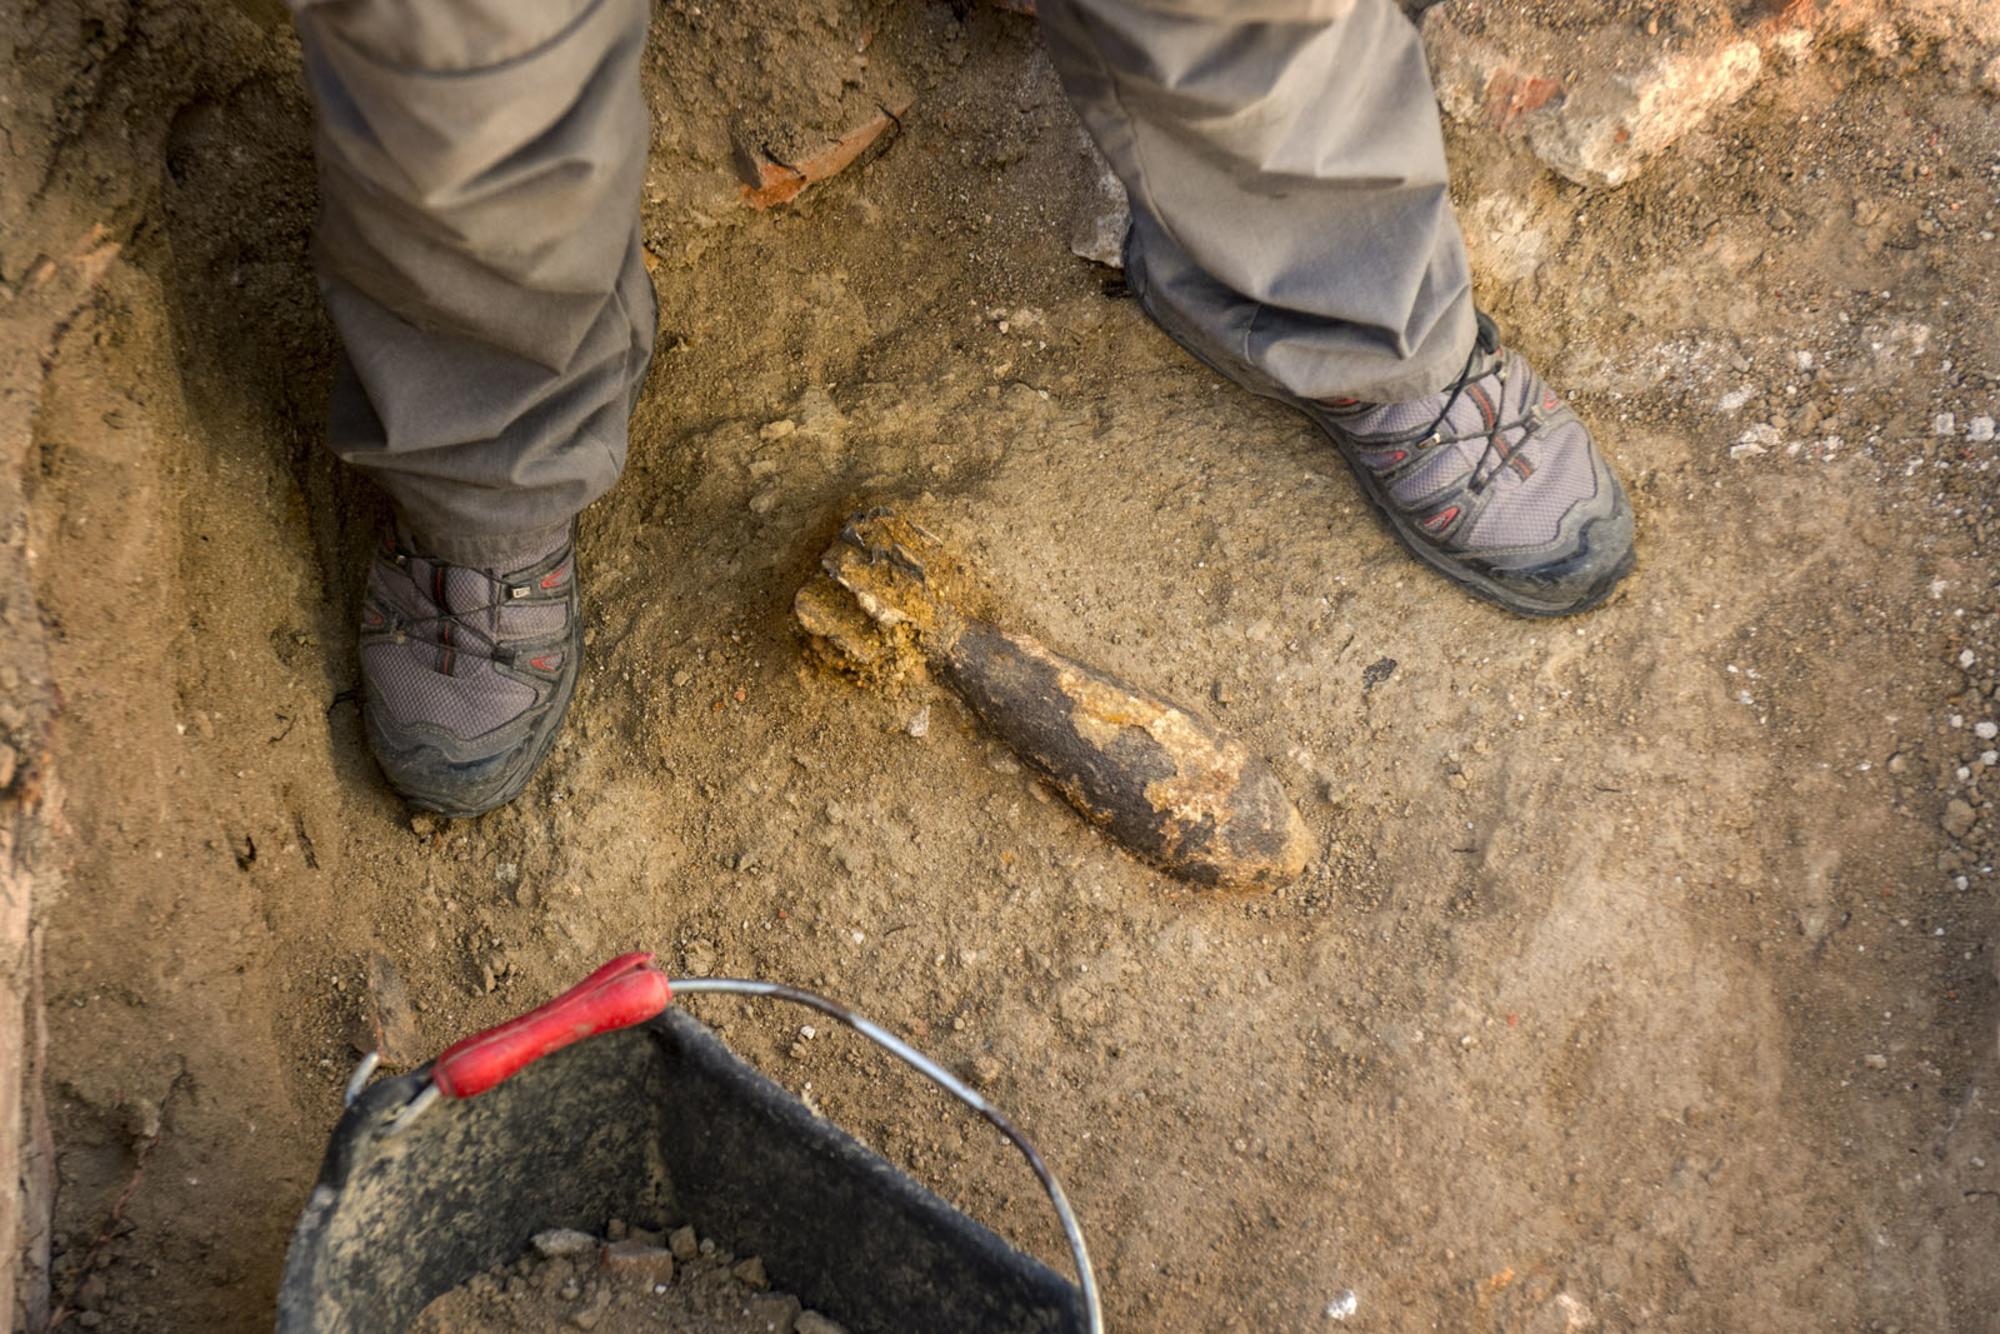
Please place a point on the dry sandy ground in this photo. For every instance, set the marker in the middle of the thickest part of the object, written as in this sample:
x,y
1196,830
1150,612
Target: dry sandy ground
x,y
1644,979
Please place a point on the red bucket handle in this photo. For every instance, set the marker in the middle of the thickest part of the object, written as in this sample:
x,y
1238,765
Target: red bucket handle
x,y
629,990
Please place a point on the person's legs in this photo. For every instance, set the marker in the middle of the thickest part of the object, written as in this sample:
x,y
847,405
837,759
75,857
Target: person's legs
x,y
1290,220
1291,226
478,250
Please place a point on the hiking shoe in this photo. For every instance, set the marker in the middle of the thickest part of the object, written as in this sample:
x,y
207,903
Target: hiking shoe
x,y
1494,483
467,672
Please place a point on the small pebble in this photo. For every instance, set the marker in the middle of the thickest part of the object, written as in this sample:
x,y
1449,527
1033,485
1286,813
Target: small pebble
x,y
640,1260
1875,1061
1980,430
919,725
1986,731
1344,1304
1958,817
778,429
1944,423
683,1243
559,1242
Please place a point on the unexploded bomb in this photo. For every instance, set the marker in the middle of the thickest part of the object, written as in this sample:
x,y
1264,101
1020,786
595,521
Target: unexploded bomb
x,y
891,599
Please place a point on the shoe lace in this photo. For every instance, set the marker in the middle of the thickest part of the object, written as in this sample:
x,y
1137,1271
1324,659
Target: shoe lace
x,y
451,620
1485,344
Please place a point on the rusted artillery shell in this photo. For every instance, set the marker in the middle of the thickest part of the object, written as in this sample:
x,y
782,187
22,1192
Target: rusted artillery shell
x,y
1160,780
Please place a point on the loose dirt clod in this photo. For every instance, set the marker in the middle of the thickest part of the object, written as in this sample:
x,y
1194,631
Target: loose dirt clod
x,y
390,1023
891,600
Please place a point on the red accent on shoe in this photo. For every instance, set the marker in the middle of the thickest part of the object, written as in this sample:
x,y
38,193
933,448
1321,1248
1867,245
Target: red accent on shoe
x,y
1442,518
542,664
554,578
1342,402
1550,402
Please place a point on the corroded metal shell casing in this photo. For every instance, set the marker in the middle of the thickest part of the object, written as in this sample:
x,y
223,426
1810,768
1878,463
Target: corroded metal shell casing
x,y
891,601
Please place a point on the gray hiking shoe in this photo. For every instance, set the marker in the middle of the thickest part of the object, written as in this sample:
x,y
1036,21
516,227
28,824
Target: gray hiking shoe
x,y
467,672
1494,483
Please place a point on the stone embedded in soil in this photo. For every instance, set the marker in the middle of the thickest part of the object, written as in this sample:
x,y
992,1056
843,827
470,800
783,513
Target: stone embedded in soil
x,y
1596,102
683,1243
1103,214
1593,107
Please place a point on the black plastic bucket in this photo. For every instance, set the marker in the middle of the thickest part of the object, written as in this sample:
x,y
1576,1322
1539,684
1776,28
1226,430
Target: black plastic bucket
x,y
660,1125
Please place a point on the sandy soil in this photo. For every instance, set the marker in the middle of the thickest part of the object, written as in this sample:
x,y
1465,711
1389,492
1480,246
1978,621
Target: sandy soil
x,y
1643,978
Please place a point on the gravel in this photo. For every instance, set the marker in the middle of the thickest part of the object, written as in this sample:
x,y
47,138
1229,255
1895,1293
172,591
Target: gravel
x,y
573,1280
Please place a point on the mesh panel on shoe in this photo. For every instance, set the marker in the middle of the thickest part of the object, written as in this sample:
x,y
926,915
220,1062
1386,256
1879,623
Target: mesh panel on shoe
x,y
1531,511
480,618
1521,511
471,702
1442,465
503,618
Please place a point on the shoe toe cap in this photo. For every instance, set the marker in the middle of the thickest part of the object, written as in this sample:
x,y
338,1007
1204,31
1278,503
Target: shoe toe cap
x,y
1598,556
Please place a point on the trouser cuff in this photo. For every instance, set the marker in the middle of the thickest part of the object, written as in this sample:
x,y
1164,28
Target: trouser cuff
x,y
486,551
